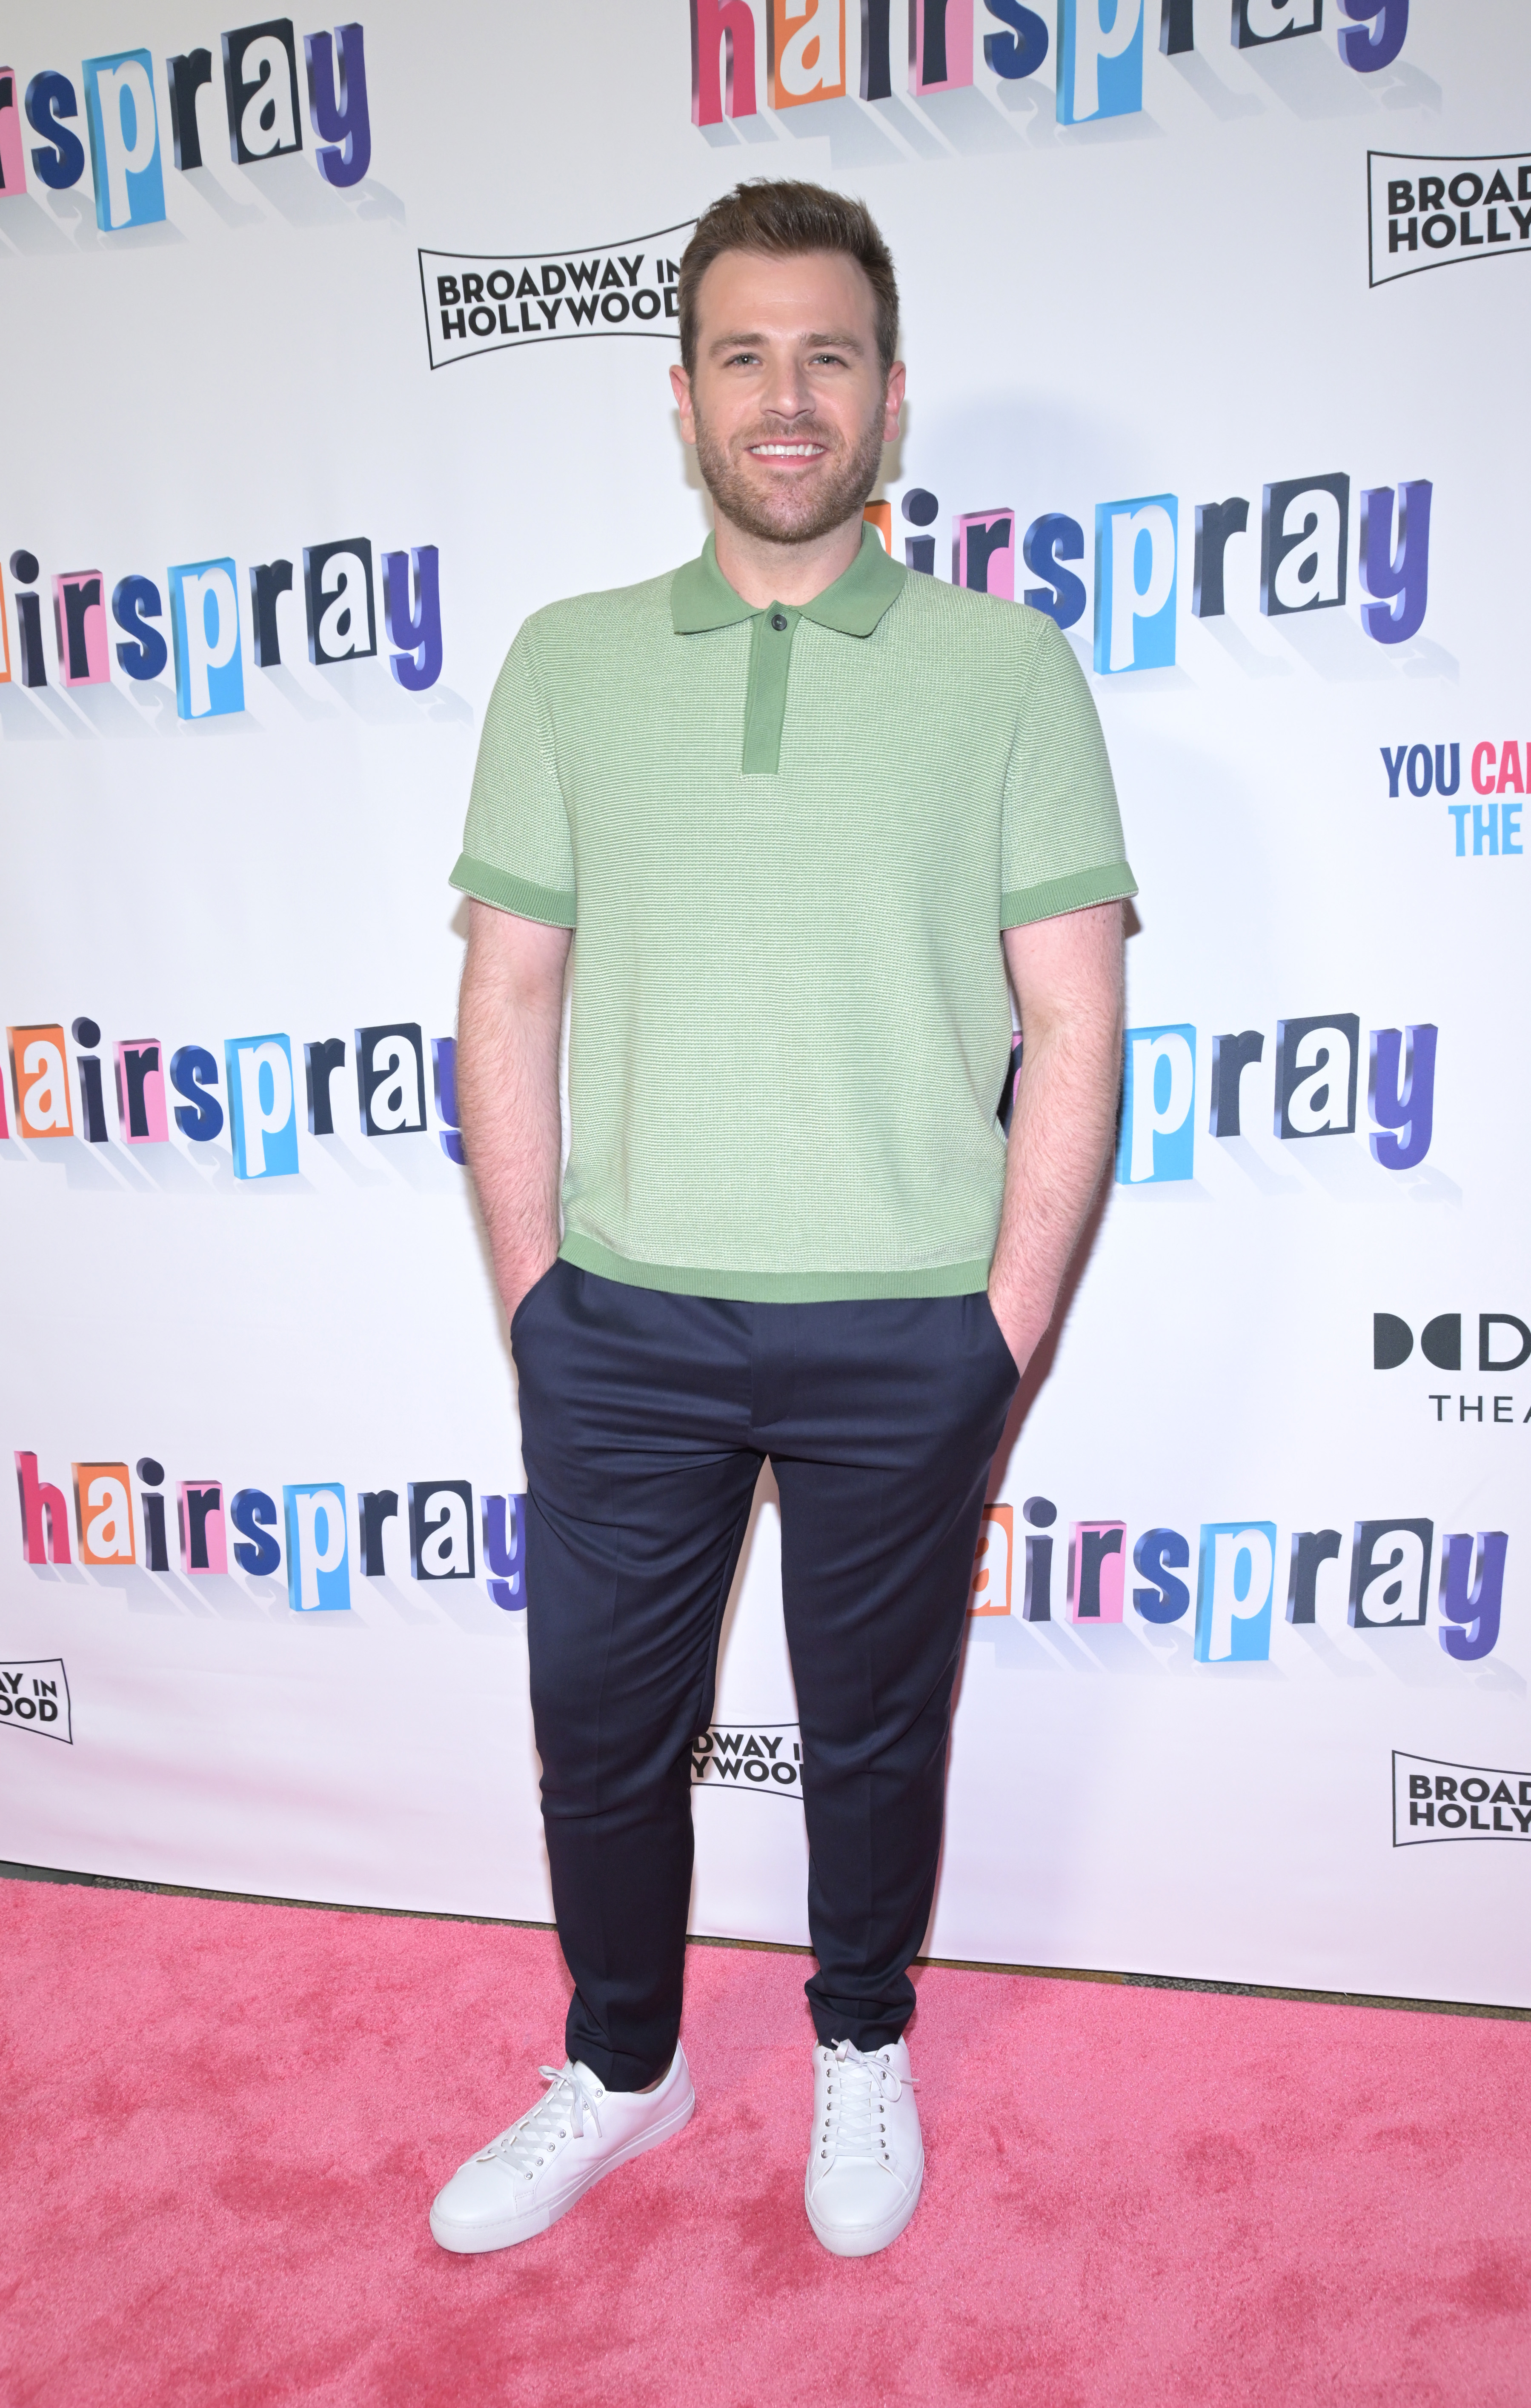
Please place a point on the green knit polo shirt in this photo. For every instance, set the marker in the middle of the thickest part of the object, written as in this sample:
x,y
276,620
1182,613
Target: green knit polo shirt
x,y
788,840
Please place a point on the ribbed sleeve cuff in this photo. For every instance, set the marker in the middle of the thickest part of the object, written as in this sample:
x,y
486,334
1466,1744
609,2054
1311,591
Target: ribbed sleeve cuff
x,y
506,893
1076,893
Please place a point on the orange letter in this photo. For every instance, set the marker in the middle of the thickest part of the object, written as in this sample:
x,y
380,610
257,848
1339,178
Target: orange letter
x,y
40,1083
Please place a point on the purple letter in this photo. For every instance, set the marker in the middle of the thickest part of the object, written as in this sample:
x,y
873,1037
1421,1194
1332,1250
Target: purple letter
x,y
1473,1611
1399,583
417,632
1404,1104
1366,52
340,117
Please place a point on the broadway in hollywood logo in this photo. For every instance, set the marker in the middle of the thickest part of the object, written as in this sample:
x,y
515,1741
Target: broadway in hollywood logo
x,y
478,302
1435,1800
1442,212
763,1757
34,1696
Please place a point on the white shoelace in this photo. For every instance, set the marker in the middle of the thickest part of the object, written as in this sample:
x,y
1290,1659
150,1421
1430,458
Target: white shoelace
x,y
861,2089
532,2142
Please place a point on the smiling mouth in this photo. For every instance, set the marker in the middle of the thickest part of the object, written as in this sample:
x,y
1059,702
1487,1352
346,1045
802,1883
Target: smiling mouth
x,y
787,451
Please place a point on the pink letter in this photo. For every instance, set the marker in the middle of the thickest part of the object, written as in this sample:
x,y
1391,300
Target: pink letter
x,y
199,1509
141,1091
12,169
39,1497
983,552
940,45
80,623
1097,1559
727,26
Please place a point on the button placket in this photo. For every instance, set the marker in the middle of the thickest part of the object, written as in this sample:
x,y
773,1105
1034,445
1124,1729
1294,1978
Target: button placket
x,y
771,638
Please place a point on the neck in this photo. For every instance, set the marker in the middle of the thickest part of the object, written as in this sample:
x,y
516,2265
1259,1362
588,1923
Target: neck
x,y
761,571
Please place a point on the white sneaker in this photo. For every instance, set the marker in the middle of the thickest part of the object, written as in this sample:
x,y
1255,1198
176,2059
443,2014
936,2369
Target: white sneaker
x,y
543,2165
867,2161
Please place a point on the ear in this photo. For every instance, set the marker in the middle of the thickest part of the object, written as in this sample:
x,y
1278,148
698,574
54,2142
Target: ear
x,y
680,385
892,401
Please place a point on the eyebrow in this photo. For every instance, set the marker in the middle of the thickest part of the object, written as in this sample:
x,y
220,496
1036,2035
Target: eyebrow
x,y
813,342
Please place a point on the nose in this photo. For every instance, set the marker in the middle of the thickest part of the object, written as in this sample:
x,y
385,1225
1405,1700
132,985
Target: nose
x,y
786,396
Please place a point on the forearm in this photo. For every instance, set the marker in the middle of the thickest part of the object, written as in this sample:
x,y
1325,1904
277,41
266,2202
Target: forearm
x,y
1060,1134
508,1019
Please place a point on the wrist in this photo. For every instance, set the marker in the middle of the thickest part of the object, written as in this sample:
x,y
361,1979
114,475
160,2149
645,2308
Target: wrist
x,y
1022,1331
517,1276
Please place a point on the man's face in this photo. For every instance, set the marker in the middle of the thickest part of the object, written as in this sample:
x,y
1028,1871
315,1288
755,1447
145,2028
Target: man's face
x,y
788,408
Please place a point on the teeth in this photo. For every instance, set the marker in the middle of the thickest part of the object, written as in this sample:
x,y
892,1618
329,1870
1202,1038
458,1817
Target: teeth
x,y
787,451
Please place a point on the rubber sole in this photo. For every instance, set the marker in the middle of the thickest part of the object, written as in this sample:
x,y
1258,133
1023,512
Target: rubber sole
x,y
864,2241
474,2241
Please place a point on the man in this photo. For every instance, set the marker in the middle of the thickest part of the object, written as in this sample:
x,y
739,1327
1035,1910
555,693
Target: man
x,y
803,807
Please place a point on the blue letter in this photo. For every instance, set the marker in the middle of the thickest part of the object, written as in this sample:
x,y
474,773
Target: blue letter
x,y
1135,584
1048,541
1020,52
318,1575
120,95
49,98
134,599
1154,1551
1159,1091
193,1067
1233,1592
250,1507
1100,71
262,1105
210,674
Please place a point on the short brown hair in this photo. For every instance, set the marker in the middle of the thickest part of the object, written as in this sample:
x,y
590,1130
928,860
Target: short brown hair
x,y
780,220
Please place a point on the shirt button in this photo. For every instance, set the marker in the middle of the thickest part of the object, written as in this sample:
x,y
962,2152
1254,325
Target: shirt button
x,y
778,622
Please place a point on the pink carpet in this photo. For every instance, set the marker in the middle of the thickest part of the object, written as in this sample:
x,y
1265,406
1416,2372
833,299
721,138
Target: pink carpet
x,y
223,2126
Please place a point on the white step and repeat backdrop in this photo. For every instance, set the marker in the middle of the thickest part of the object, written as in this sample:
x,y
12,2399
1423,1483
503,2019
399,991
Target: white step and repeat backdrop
x,y
337,348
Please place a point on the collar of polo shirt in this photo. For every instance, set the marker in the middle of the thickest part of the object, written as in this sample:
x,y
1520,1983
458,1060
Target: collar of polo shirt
x,y
702,600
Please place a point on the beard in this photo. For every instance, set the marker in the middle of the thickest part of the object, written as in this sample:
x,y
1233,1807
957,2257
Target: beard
x,y
798,512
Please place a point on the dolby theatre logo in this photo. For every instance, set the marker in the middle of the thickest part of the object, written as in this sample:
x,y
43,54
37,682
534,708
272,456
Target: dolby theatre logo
x,y
479,302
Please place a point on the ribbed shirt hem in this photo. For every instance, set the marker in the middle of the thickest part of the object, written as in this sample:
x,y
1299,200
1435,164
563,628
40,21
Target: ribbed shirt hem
x,y
1112,884
507,892
773,1287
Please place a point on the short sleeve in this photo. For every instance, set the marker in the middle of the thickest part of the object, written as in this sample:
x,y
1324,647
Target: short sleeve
x,y
1063,846
517,850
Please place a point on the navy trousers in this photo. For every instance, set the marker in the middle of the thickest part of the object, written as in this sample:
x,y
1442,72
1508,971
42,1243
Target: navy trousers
x,y
645,1419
